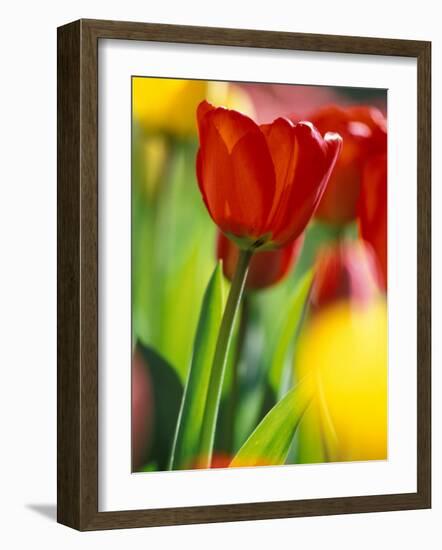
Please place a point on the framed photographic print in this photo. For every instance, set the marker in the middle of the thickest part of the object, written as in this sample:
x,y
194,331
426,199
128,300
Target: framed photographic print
x,y
243,275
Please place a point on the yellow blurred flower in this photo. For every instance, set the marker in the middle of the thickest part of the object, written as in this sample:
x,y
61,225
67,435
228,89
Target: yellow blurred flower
x,y
345,348
168,105
231,96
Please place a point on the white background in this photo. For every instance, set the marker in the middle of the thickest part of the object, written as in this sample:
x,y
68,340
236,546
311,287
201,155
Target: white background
x,y
28,272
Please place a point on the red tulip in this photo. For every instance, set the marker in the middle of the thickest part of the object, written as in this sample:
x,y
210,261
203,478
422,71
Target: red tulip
x,y
372,210
364,132
261,184
142,410
267,267
346,271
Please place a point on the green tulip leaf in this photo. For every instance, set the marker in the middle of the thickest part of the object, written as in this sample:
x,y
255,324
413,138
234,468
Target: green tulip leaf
x,y
167,392
270,442
188,429
288,330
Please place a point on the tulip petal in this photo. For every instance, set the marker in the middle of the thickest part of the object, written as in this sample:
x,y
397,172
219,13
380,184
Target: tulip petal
x,y
215,177
280,137
372,210
315,161
254,180
234,170
199,177
371,116
203,108
231,125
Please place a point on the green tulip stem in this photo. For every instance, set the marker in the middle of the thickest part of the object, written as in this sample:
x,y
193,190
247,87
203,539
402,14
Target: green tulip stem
x,y
234,386
220,358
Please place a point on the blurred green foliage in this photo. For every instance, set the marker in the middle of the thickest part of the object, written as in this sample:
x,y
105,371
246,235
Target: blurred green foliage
x,y
172,256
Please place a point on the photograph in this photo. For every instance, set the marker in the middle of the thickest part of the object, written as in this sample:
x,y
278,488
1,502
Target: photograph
x,y
258,274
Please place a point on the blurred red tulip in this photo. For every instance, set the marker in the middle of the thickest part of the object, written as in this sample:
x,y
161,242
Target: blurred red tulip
x,y
267,267
372,210
219,460
273,100
223,460
345,271
261,184
142,410
364,133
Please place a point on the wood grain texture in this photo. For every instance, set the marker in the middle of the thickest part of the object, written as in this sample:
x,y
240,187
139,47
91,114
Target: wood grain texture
x,y
252,38
78,291
68,275
424,273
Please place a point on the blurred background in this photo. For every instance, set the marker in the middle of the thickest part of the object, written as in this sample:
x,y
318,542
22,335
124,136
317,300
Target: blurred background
x,y
321,309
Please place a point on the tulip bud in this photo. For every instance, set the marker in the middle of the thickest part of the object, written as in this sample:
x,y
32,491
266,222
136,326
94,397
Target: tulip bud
x,y
142,410
267,267
364,134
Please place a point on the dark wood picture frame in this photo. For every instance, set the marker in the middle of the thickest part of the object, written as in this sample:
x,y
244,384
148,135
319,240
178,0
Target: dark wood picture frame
x,y
77,225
